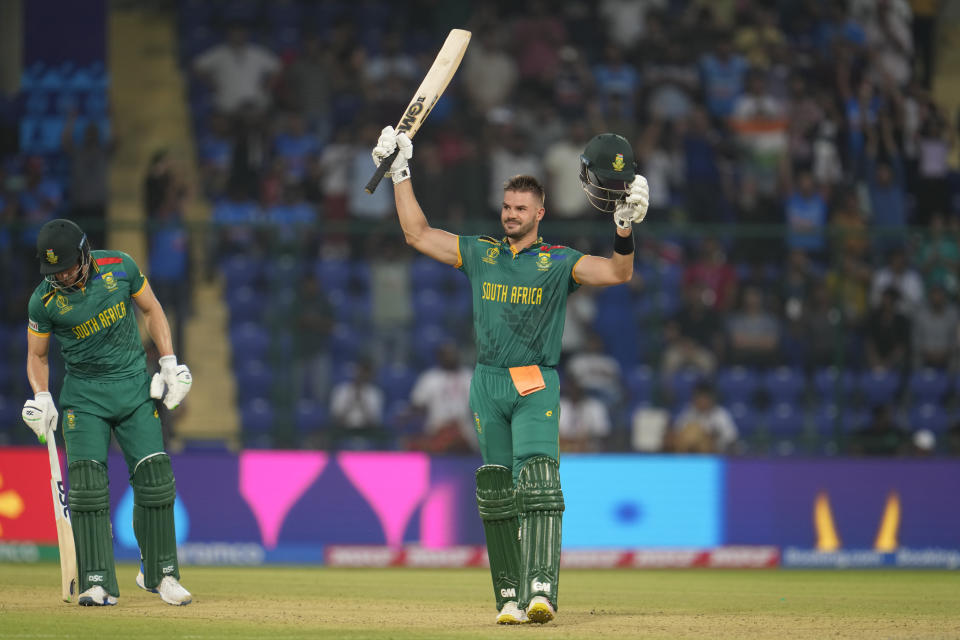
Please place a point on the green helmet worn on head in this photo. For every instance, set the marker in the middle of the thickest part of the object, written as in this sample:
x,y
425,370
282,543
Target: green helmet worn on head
x,y
607,167
61,245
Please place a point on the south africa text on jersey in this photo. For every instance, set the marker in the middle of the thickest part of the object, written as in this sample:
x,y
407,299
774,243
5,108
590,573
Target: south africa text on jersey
x,y
100,321
512,294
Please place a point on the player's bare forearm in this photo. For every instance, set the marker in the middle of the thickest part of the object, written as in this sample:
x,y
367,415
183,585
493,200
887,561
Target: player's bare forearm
x,y
604,272
155,320
435,243
38,366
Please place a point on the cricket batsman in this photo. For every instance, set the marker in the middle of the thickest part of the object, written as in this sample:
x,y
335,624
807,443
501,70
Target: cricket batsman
x,y
520,286
85,301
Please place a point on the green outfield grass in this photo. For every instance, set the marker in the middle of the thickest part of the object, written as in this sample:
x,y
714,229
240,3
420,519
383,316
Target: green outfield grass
x,y
276,603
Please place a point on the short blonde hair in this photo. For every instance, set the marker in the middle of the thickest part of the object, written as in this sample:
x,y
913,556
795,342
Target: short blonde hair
x,y
524,183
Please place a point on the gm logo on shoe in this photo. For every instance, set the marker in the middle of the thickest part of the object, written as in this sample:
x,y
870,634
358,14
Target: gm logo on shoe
x,y
508,593
543,587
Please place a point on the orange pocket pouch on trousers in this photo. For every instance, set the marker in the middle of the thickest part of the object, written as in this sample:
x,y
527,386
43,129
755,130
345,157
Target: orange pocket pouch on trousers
x,y
527,379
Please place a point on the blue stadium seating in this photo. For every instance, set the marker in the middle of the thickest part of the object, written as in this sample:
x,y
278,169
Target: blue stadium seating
x,y
784,384
396,381
831,383
680,386
784,420
928,385
879,387
250,339
254,374
641,384
745,417
240,271
737,384
246,306
257,417
928,416
428,273
310,416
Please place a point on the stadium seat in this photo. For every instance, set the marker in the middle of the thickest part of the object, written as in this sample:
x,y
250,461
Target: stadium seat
x,y
929,416
250,339
832,383
782,420
254,374
879,386
426,339
737,385
745,418
641,385
429,305
680,386
240,271
428,273
310,416
345,342
784,384
245,305
396,381
928,385
257,417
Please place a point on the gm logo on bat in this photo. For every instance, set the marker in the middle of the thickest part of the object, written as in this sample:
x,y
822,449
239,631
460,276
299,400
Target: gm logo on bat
x,y
410,117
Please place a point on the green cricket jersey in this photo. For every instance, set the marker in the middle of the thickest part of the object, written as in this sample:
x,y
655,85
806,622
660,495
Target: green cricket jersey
x,y
96,326
519,299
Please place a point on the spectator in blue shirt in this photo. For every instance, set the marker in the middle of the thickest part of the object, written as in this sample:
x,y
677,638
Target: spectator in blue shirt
x,y
886,184
806,216
723,74
294,146
615,77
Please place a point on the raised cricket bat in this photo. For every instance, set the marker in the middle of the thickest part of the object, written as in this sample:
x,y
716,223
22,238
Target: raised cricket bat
x,y
436,80
61,512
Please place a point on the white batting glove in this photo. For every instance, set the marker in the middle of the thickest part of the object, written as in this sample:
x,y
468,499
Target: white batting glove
x,y
40,414
173,377
634,206
389,140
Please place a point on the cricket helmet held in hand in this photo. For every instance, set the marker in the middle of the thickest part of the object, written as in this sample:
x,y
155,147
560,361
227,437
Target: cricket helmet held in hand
x,y
607,167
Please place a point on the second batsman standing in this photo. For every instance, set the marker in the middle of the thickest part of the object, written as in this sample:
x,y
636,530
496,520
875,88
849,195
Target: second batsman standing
x,y
520,286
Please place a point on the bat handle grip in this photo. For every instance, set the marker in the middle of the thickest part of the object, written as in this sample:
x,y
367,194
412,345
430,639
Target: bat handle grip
x,y
381,171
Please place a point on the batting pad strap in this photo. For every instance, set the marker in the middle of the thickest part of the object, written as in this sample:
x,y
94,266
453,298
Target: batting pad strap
x,y
153,483
89,486
495,495
538,485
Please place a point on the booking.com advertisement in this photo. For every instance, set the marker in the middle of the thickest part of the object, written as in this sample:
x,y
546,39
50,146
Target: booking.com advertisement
x,y
621,510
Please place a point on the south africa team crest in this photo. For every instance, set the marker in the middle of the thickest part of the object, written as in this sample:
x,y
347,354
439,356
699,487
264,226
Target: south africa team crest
x,y
70,419
109,281
543,262
618,163
52,257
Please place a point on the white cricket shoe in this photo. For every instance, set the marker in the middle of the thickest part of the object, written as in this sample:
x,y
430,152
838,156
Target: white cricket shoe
x,y
511,614
96,597
172,592
142,584
540,610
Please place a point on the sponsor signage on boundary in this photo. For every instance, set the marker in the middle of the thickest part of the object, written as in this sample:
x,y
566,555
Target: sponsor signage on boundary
x,y
794,558
475,556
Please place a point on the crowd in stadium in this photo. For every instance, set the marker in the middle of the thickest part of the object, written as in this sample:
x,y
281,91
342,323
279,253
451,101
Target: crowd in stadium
x,y
796,286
